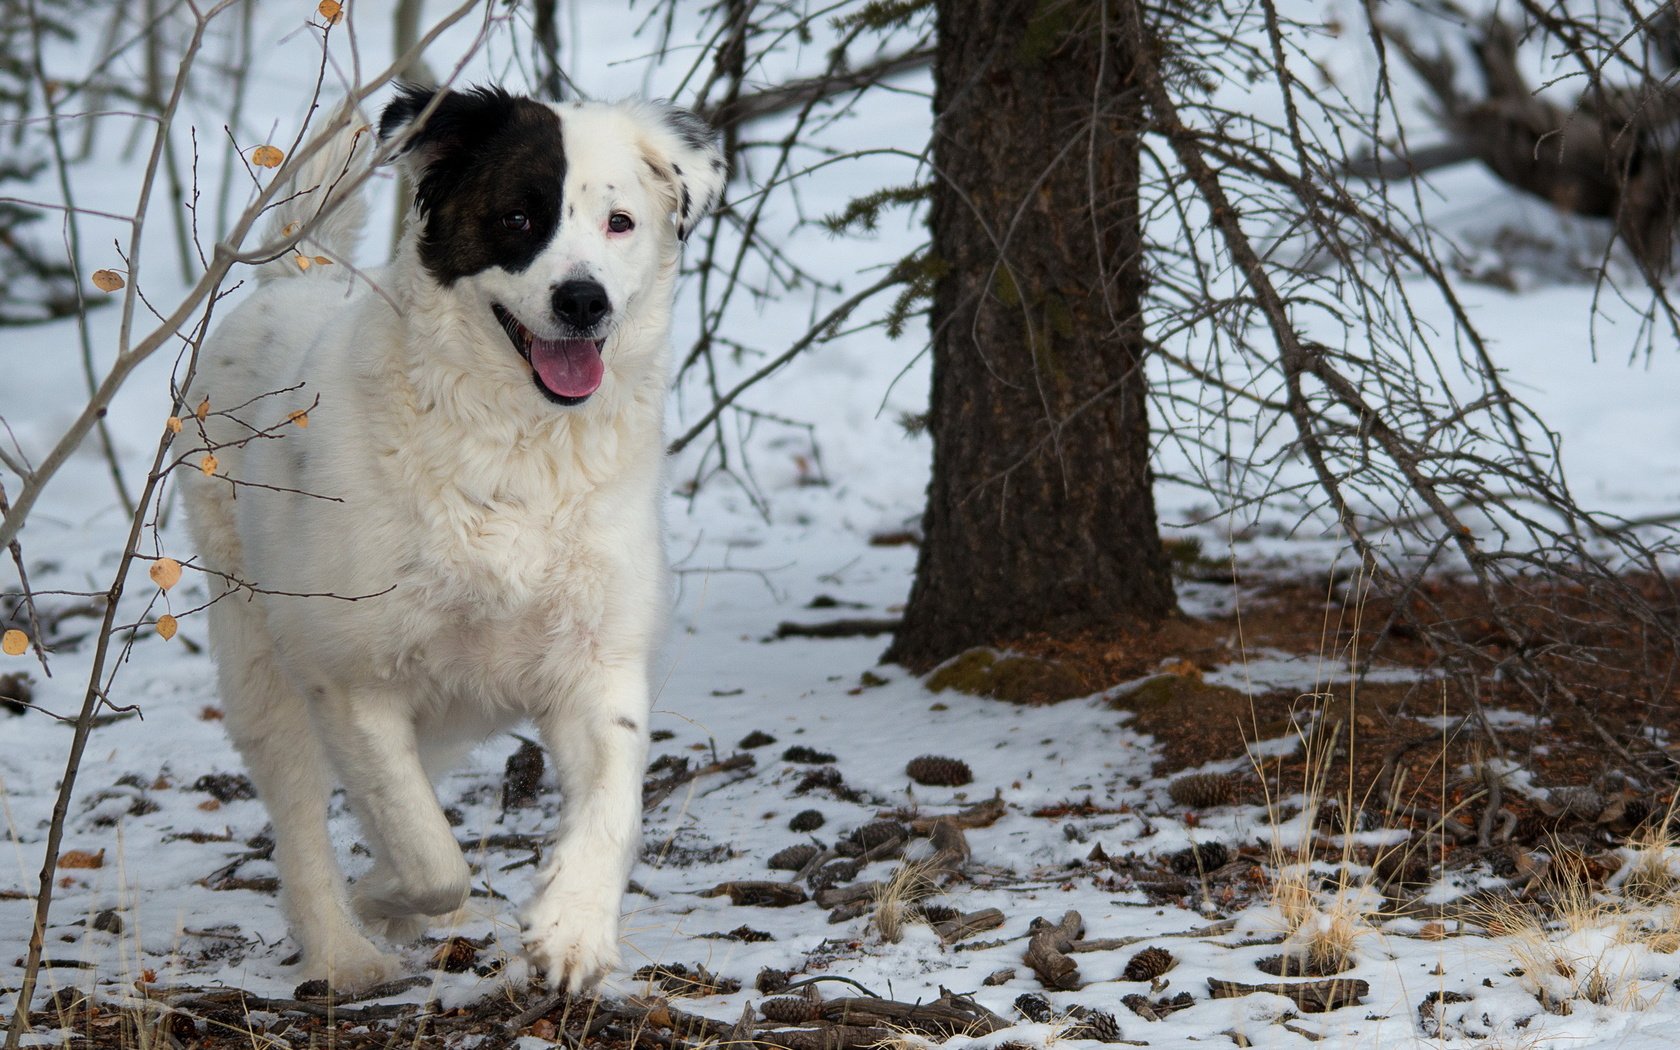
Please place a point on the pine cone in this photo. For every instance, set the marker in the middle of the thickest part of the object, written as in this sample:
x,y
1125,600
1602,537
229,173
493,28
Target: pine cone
x,y
1573,802
789,1009
878,833
938,913
1035,1007
654,971
833,873
806,820
456,955
1148,964
1095,1024
522,778
1199,859
1202,790
794,857
807,755
938,771
827,779
16,693
771,980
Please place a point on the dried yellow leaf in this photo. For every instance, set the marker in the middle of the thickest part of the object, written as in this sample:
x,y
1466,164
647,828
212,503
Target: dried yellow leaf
x,y
202,410
299,417
173,424
267,156
166,626
322,260
331,10
302,261
290,228
166,572
14,643
208,464
108,280
81,858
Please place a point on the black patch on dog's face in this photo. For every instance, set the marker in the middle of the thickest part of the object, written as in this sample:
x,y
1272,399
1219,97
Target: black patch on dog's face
x,y
484,157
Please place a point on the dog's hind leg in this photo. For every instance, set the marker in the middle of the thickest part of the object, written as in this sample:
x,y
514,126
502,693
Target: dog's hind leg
x,y
270,723
599,741
371,735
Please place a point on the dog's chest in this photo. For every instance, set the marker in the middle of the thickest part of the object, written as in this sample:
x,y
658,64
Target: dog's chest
x,y
512,572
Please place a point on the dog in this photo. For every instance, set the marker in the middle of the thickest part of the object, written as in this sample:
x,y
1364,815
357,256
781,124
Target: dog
x,y
433,507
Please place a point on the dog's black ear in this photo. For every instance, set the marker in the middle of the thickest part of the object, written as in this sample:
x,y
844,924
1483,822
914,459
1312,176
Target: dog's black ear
x,y
411,100
457,121
688,167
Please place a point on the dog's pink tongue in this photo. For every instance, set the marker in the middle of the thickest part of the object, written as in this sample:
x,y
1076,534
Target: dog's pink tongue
x,y
568,367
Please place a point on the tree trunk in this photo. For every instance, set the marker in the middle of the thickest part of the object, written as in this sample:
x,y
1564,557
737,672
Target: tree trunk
x,y
1040,515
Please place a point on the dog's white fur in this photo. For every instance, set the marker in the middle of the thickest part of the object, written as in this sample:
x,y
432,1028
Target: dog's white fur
x,y
512,547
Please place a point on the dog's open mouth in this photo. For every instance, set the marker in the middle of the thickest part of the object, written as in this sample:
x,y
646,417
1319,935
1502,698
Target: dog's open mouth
x,y
567,370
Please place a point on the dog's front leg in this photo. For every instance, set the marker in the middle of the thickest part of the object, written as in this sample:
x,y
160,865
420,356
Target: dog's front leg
x,y
420,870
599,740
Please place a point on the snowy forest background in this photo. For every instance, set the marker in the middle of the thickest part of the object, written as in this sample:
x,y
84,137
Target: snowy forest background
x,y
1388,762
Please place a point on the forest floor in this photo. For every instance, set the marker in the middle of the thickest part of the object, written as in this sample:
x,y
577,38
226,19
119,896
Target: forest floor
x,y
1223,836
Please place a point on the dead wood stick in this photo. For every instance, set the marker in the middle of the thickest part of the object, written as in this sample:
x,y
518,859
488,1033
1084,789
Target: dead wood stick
x,y
1109,944
950,846
353,1015
826,1037
1047,951
811,866
758,893
837,896
979,815
969,924
944,1017
741,1034
540,1008
858,628
1313,997
658,791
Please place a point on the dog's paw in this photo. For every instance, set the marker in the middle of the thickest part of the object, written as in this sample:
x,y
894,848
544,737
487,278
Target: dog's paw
x,y
397,929
349,965
390,904
574,943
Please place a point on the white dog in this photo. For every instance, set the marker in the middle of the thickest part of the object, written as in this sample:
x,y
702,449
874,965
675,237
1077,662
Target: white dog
x,y
484,455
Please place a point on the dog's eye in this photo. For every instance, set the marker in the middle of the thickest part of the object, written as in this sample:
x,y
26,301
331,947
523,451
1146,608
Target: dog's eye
x,y
620,223
517,220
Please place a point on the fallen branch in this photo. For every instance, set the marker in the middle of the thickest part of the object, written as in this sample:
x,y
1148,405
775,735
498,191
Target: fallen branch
x,y
979,815
655,792
1047,951
859,628
967,925
1313,997
761,894
946,1016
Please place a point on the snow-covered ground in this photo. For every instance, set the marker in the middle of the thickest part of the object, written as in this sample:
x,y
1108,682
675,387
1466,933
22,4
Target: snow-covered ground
x,y
165,904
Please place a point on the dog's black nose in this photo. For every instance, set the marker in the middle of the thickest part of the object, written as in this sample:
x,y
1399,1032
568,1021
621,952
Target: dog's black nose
x,y
581,304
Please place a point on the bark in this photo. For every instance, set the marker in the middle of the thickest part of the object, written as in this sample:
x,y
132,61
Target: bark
x,y
1040,515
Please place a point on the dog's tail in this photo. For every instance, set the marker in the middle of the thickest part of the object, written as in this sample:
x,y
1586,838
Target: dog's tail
x,y
324,199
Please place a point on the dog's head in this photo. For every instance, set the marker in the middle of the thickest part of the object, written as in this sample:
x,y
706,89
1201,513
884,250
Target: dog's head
x,y
558,221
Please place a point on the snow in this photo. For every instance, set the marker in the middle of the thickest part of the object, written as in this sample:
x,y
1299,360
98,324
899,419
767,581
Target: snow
x,y
749,556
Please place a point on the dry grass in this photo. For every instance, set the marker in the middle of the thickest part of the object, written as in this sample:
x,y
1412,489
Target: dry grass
x,y
1572,941
910,882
